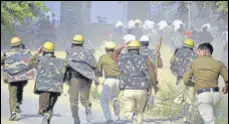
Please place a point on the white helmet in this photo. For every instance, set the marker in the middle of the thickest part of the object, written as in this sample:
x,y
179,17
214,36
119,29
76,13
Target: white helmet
x,y
162,24
131,24
119,24
128,37
177,24
206,25
148,24
144,38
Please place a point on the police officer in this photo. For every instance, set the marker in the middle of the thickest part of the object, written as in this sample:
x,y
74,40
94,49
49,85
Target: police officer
x,y
137,31
179,62
109,66
144,50
178,37
205,35
51,73
206,71
82,71
15,65
137,78
181,59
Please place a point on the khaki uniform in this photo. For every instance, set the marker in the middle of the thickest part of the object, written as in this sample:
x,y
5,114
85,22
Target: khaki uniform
x,y
81,73
108,65
79,87
206,71
134,102
135,95
15,89
111,83
47,99
16,94
185,94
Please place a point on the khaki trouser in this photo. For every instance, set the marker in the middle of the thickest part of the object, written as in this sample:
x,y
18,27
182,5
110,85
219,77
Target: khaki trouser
x,y
15,94
206,104
134,102
79,87
184,94
184,97
47,101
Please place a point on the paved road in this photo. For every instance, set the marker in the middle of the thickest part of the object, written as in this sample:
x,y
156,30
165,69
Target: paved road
x,y
62,113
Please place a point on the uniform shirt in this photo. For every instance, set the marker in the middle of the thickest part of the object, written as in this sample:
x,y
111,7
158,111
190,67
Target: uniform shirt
x,y
108,65
206,71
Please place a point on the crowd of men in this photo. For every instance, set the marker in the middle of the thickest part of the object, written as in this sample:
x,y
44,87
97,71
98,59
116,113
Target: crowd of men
x,y
131,68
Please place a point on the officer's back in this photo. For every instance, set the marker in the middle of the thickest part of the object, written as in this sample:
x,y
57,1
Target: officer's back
x,y
207,71
133,70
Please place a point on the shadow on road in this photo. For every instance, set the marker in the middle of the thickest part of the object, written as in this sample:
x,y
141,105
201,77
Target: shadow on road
x,y
162,120
115,122
25,116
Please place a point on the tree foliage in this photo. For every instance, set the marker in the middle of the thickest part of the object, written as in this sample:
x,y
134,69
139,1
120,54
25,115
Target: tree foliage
x,y
16,11
219,6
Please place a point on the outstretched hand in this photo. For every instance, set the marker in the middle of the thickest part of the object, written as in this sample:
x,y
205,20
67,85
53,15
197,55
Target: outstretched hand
x,y
39,50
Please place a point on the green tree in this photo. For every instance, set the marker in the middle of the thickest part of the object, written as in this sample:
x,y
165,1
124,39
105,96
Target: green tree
x,y
16,11
219,6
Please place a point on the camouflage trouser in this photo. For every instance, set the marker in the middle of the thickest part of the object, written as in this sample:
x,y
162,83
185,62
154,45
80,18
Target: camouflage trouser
x,y
134,102
79,87
16,94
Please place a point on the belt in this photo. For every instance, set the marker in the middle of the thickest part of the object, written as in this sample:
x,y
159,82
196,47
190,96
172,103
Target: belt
x,y
216,89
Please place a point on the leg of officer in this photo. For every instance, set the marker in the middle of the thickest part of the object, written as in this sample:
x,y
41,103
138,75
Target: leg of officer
x,y
74,94
43,101
85,93
105,98
20,91
115,92
84,97
205,105
141,98
52,101
129,103
12,96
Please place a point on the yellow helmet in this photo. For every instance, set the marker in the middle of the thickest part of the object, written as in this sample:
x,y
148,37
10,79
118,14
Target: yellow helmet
x,y
110,45
78,39
15,41
189,43
48,46
134,44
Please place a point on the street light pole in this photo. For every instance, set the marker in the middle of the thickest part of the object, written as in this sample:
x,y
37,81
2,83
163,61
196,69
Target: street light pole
x,y
189,16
